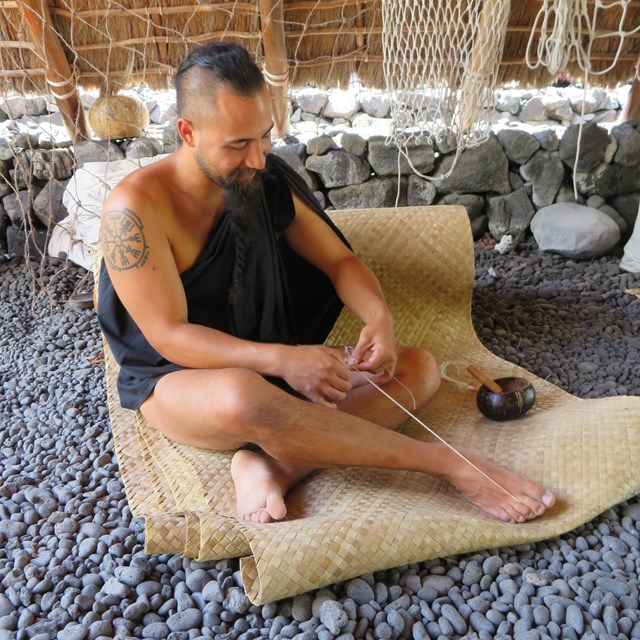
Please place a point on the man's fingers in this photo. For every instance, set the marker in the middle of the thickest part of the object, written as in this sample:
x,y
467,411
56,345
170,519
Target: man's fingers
x,y
343,370
319,398
358,355
374,363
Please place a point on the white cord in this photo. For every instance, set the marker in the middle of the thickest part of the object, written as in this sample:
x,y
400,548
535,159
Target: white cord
x,y
433,433
569,32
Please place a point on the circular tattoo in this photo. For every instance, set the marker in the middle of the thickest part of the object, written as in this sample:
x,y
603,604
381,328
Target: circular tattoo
x,y
123,242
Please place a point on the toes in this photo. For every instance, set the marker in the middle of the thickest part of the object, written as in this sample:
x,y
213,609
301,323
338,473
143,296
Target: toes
x,y
516,512
537,502
499,514
526,508
275,506
264,515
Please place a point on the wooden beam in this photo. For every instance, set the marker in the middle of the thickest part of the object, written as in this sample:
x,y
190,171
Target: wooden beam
x,y
227,7
276,64
15,44
22,73
158,32
631,110
358,32
130,42
326,5
485,54
604,57
360,42
58,70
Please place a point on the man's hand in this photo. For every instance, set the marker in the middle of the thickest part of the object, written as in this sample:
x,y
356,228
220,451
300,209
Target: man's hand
x,y
375,351
317,372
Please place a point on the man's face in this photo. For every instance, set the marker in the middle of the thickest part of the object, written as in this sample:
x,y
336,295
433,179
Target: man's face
x,y
232,142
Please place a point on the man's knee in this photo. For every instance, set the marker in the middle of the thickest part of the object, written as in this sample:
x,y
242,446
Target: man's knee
x,y
225,408
419,371
249,400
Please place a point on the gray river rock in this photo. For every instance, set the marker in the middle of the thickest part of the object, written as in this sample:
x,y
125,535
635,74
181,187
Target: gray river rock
x,y
72,562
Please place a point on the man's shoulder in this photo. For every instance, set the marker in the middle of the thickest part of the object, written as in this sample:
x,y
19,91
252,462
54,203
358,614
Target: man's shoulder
x,y
144,190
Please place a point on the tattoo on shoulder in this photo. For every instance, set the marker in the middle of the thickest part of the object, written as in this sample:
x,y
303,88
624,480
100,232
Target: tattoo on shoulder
x,y
123,243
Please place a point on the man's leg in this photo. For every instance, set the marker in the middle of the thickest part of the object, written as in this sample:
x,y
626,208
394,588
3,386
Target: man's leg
x,y
416,380
225,409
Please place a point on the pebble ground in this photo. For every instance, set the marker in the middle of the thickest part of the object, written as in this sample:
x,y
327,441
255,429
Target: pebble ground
x,y
72,565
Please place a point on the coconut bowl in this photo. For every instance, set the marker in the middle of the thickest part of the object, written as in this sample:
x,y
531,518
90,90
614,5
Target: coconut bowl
x,y
516,398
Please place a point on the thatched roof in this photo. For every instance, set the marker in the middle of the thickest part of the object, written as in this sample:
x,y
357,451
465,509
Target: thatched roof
x,y
123,42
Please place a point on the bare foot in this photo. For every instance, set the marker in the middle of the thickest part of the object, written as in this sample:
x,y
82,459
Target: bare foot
x,y
261,484
527,501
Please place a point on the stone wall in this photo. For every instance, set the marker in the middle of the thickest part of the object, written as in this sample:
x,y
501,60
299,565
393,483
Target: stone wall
x,y
338,146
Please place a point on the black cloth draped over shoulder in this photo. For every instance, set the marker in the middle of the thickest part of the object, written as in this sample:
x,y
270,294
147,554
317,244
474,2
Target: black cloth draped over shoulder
x,y
283,298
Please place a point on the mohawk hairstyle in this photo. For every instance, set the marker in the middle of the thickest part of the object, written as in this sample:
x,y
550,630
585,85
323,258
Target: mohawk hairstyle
x,y
224,63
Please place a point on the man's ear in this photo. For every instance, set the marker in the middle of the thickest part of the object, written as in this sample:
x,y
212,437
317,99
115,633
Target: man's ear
x,y
186,131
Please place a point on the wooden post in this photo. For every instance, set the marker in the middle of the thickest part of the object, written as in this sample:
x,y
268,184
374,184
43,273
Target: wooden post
x,y
359,22
632,108
276,65
58,72
159,32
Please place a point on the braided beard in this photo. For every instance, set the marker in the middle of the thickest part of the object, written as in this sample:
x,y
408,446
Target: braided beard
x,y
242,204
242,201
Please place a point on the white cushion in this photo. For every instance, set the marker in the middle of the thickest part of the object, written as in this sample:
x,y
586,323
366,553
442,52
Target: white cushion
x,y
77,235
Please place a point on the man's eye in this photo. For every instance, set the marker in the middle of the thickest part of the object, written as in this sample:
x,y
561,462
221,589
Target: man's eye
x,y
239,147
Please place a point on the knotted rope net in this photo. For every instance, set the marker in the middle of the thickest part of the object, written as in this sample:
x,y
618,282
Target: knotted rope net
x,y
568,27
441,64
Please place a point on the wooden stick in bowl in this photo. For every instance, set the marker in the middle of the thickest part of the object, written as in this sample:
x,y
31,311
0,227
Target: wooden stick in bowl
x,y
485,379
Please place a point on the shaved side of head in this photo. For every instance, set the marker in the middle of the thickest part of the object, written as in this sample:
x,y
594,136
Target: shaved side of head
x,y
209,68
197,95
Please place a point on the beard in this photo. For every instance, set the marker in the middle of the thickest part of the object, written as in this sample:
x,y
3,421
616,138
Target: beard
x,y
243,189
239,179
243,204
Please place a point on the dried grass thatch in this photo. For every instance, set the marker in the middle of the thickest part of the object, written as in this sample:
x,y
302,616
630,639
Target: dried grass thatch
x,y
117,43
330,41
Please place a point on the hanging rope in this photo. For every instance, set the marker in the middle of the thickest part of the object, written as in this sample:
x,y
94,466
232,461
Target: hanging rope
x,y
570,25
440,62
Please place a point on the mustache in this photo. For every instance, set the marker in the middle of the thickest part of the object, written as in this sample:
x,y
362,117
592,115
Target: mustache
x,y
235,183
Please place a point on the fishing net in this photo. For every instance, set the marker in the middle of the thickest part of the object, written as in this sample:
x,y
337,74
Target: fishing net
x,y
441,64
571,30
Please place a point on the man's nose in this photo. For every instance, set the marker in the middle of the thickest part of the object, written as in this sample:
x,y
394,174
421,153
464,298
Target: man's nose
x,y
256,157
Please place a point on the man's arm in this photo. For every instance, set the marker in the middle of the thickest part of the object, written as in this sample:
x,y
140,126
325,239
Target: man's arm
x,y
355,284
142,267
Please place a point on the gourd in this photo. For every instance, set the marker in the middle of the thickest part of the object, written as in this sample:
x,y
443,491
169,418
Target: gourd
x,y
117,116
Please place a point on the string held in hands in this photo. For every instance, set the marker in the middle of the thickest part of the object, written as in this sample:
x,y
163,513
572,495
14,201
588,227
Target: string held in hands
x,y
349,351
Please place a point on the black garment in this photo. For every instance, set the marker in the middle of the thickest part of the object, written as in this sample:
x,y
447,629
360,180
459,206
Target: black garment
x,y
284,299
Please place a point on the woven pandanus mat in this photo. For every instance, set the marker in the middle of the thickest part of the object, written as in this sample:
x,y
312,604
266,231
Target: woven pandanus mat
x,y
345,522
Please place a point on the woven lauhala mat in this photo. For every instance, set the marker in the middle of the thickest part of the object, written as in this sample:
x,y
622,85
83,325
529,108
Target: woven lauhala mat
x,y
345,522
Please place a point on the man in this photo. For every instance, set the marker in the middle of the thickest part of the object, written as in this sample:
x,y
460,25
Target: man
x,y
221,280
